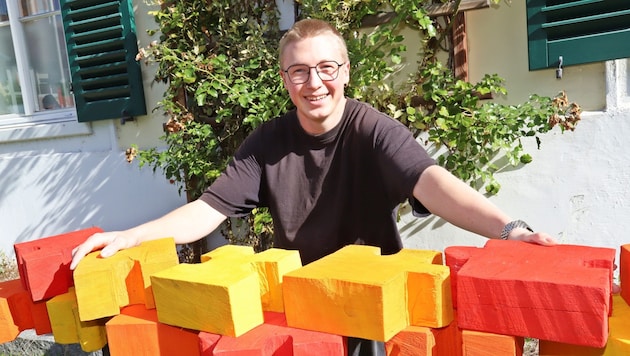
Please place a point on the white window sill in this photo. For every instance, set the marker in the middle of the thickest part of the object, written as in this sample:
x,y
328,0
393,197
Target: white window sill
x,y
59,124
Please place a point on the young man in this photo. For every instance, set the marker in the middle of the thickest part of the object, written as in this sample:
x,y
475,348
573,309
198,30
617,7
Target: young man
x,y
332,171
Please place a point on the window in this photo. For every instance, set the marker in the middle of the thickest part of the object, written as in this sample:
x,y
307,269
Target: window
x,y
34,72
66,59
577,31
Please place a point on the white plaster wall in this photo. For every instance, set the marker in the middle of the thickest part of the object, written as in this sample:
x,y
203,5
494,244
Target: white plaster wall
x,y
48,187
576,188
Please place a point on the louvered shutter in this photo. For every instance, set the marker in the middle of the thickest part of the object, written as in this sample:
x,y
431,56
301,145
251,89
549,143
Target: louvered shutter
x,y
581,31
102,47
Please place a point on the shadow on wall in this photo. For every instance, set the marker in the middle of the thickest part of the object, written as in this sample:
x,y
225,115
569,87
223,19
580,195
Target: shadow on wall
x,y
50,194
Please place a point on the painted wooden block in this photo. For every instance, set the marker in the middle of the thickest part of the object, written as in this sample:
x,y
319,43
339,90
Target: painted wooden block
x,y
207,342
67,328
44,264
41,320
357,292
420,340
275,338
104,285
455,258
624,272
618,339
223,295
271,265
150,337
15,310
559,293
477,343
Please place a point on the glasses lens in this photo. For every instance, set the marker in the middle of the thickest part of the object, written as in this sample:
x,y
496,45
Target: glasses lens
x,y
328,70
299,73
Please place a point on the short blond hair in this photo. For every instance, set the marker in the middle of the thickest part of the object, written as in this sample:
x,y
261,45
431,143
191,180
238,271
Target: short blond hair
x,y
308,28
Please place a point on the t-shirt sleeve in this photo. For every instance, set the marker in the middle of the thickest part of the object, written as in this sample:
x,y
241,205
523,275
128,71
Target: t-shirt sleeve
x,y
237,190
403,160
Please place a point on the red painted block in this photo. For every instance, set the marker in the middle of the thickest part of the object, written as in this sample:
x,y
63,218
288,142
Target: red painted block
x,y
559,293
624,272
455,258
44,264
618,340
15,310
150,337
41,321
275,338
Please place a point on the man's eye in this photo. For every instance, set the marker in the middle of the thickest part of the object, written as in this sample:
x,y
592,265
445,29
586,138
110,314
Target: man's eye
x,y
298,71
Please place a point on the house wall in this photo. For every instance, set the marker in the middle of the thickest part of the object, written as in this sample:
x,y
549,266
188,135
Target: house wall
x,y
576,188
75,175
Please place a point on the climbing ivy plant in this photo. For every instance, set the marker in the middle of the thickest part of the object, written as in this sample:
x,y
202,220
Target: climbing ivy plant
x,y
220,63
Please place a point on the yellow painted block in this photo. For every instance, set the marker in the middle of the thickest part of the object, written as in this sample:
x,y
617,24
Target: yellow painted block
x,y
227,293
618,337
67,328
357,292
104,285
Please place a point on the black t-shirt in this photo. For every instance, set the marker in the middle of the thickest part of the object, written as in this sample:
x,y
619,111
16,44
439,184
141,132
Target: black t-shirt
x,y
327,191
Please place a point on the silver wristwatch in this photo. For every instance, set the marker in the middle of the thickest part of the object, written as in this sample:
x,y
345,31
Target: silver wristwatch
x,y
513,225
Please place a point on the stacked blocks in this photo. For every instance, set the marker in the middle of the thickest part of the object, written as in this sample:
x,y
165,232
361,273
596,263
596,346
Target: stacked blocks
x,y
104,285
238,302
223,295
67,328
357,292
44,264
521,289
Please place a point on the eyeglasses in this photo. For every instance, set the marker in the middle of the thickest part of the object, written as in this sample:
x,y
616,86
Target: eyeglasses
x,y
301,73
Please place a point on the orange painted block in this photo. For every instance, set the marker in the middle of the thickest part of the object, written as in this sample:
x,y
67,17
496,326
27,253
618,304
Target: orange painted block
x,y
225,294
477,343
15,310
67,328
275,338
420,340
150,337
374,297
560,293
104,285
44,264
455,258
618,339
624,272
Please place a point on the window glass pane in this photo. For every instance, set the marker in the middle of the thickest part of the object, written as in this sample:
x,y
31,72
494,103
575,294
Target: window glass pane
x,y
48,62
10,95
34,7
4,14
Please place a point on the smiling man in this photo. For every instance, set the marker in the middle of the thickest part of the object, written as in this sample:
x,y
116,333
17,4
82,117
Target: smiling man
x,y
332,172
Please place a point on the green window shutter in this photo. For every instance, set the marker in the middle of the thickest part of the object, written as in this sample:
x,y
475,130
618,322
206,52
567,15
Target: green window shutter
x,y
579,31
102,47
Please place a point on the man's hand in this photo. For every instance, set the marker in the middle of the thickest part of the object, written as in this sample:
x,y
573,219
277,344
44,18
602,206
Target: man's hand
x,y
525,235
108,242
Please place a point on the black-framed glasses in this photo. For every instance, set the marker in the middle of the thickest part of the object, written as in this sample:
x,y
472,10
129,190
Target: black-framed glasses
x,y
301,73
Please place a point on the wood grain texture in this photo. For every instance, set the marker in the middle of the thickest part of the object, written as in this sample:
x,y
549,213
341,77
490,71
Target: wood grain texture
x,y
357,292
104,285
44,264
150,337
560,293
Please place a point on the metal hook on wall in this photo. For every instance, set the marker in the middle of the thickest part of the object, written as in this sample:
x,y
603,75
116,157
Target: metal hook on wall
x,y
559,70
